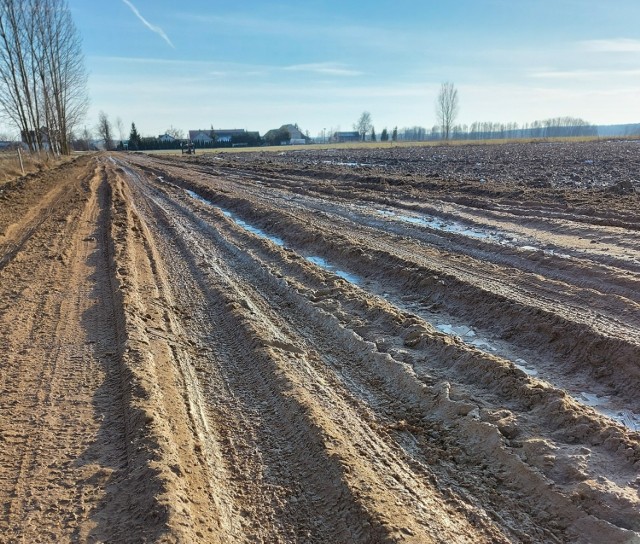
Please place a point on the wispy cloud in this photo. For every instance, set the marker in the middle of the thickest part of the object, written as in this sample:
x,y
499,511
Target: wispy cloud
x,y
231,69
324,68
146,23
616,45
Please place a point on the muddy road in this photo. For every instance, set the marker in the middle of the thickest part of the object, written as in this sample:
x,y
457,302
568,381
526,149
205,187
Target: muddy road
x,y
248,349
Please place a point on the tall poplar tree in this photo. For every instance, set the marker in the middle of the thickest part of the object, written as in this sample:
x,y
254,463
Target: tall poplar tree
x,y
42,74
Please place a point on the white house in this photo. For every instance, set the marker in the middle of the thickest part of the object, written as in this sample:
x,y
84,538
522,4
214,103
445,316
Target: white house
x,y
200,136
221,135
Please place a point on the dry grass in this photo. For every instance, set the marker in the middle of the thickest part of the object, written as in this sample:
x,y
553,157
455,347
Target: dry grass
x,y
32,162
387,145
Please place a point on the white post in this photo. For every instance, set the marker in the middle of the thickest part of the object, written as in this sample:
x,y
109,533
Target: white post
x,y
21,165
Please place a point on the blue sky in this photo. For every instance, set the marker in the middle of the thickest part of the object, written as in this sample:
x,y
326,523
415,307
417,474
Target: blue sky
x,y
258,65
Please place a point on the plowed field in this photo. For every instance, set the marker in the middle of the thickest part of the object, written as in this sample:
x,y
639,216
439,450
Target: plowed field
x,y
308,348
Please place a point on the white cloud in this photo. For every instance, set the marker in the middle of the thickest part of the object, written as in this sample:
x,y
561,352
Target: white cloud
x,y
146,23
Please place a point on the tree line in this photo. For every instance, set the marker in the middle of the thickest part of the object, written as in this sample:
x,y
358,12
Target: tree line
x,y
556,127
42,74
447,107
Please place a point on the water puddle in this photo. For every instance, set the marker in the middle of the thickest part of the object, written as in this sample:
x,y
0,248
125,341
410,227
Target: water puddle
x,y
246,226
461,331
194,195
444,225
351,164
455,227
521,364
319,261
599,404
254,230
467,335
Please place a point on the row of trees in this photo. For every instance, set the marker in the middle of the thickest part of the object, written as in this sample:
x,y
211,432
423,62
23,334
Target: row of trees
x,y
480,130
42,74
548,128
365,129
447,107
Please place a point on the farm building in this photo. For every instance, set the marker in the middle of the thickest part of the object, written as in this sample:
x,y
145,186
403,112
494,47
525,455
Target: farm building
x,y
346,137
295,133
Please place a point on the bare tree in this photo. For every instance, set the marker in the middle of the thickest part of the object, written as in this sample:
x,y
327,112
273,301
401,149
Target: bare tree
x,y
175,132
105,131
120,128
447,108
62,72
42,74
364,125
16,100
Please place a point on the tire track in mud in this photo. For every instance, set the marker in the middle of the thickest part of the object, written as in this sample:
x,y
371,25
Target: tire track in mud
x,y
570,333
539,222
308,453
169,452
15,234
527,283
289,195
60,423
536,449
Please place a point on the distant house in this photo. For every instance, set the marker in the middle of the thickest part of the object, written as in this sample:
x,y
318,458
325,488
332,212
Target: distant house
x,y
294,132
342,137
203,137
226,135
166,138
200,136
286,135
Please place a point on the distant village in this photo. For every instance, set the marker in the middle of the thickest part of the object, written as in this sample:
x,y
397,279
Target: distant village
x,y
289,134
292,134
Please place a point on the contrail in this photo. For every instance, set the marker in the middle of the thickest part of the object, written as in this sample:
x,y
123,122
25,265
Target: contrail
x,y
146,23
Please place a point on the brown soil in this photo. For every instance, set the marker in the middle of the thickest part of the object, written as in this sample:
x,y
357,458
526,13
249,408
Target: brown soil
x,y
178,367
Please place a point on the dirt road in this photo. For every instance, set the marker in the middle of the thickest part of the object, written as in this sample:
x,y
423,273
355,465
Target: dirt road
x,y
266,350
